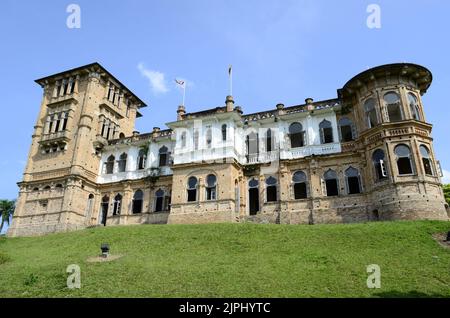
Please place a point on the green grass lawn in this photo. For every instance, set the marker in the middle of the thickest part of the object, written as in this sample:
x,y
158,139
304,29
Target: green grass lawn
x,y
232,260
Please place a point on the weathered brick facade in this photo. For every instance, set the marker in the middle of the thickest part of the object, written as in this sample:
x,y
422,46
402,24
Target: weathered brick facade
x,y
365,155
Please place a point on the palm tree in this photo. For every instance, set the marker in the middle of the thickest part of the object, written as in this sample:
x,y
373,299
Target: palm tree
x,y
6,211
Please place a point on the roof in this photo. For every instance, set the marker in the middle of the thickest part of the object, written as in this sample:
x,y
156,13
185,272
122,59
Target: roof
x,y
421,75
41,81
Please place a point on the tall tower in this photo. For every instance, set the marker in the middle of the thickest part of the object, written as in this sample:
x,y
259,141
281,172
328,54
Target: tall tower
x,y
403,178
81,110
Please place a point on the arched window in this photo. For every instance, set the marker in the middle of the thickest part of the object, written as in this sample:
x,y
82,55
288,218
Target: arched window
x,y
253,196
378,163
353,181
346,129
35,189
159,204
117,204
404,163
269,140
121,135
426,160
224,132
104,209
211,184
163,156
90,204
296,135
141,159
59,186
371,113
138,201
326,132
110,164
299,180
414,106
208,137
392,101
183,139
47,188
123,162
271,189
331,183
192,189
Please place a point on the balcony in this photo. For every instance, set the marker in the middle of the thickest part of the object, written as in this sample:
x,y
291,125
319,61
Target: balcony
x,y
117,110
58,137
263,157
100,142
310,150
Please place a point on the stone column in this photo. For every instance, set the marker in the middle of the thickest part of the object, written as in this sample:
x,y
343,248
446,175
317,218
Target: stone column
x,y
201,190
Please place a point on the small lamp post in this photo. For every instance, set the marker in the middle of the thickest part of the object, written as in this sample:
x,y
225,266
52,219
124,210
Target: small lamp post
x,y
105,250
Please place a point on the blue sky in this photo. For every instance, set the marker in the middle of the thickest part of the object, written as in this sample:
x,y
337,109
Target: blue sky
x,y
281,51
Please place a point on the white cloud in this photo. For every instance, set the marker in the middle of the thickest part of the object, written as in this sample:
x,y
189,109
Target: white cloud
x,y
156,79
446,177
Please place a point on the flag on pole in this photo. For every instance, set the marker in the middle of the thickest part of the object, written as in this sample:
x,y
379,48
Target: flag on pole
x,y
180,82
230,75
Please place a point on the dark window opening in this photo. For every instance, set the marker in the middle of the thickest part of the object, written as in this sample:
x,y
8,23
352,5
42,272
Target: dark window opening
x,y
163,156
403,160
110,165
296,135
269,140
211,182
253,200
404,166
331,183
123,162
346,129
300,191
299,179
271,189
137,202
159,204
378,162
117,204
332,187
326,132
192,189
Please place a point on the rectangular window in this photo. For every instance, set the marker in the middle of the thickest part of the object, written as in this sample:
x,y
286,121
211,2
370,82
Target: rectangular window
x,y
192,195
211,193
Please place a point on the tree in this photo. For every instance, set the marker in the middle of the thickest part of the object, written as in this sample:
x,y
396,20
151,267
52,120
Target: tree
x,y
6,211
447,192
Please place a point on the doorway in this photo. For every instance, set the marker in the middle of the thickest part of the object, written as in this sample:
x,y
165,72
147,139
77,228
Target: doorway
x,y
104,210
253,195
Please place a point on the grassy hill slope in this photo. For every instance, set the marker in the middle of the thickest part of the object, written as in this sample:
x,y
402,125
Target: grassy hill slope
x,y
232,260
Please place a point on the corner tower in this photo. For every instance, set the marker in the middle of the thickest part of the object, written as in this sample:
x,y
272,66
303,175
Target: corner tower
x,y
402,172
81,109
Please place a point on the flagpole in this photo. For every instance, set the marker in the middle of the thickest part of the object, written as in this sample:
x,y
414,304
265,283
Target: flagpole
x,y
231,80
184,92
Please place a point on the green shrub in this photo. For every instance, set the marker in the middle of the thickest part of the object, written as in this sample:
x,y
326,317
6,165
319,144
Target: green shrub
x,y
447,192
3,258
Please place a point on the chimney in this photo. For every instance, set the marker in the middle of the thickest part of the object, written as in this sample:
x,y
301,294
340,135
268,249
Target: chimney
x,y
229,102
181,111
135,135
155,132
309,104
280,108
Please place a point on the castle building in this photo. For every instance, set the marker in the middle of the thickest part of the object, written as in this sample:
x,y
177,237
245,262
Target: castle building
x,y
365,155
